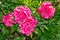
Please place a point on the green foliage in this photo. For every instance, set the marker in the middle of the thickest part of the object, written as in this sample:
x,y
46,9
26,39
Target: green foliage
x,y
45,29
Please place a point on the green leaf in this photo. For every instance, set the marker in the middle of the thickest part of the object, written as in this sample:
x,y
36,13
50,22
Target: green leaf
x,y
42,29
31,35
19,38
59,6
1,37
45,27
36,31
13,28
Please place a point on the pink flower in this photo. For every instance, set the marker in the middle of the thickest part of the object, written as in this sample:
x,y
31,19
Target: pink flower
x,y
46,10
27,26
26,22
8,19
21,12
46,4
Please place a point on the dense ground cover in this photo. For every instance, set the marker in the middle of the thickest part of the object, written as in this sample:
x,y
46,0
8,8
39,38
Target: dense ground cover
x,y
46,29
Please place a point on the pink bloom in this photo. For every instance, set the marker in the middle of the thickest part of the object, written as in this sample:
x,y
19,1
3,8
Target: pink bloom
x,y
27,26
8,19
46,10
46,4
26,22
21,12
